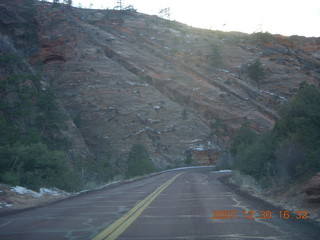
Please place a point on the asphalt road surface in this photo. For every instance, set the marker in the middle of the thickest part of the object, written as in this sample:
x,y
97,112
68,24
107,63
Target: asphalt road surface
x,y
185,204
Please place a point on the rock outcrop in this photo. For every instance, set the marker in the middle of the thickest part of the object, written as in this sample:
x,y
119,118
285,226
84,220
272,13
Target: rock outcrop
x,y
125,77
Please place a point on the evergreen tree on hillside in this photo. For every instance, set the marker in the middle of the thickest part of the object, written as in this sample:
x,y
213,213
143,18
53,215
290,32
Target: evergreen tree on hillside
x,y
139,162
214,58
256,72
290,151
32,150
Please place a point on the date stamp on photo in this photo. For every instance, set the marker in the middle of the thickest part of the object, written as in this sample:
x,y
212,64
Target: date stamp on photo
x,y
225,214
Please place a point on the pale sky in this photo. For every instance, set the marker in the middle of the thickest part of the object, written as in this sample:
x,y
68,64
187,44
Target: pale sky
x,y
286,17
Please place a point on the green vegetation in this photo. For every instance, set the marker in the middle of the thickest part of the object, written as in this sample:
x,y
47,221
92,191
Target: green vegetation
x,y
263,38
184,114
256,71
34,165
214,58
218,126
32,151
188,161
243,139
299,128
290,151
139,162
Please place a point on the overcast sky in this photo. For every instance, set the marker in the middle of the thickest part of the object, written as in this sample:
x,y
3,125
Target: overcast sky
x,y
286,17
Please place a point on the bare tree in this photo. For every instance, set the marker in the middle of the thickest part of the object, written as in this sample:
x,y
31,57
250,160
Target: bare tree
x,y
165,13
119,5
55,2
68,3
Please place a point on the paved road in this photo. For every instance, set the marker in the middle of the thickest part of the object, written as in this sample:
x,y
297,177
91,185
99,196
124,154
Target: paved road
x,y
173,205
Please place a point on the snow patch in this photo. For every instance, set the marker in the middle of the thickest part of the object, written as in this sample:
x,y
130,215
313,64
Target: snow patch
x,y
139,84
199,148
47,191
222,171
5,205
153,120
146,129
204,147
273,94
23,190
183,168
42,191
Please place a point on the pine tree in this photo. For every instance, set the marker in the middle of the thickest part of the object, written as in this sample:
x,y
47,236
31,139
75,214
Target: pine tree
x,y
139,162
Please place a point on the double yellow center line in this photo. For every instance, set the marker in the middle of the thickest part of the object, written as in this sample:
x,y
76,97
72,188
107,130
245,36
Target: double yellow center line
x,y
119,226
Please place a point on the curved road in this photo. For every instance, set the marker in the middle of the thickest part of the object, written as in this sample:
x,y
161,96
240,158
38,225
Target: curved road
x,y
184,204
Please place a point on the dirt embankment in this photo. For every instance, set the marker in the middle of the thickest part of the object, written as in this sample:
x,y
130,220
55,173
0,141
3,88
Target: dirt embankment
x,y
16,198
295,197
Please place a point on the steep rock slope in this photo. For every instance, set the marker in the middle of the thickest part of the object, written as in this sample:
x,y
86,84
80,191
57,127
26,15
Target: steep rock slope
x,y
18,40
113,106
126,77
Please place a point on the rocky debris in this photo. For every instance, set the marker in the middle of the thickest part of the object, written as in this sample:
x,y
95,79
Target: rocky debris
x,y
312,189
20,197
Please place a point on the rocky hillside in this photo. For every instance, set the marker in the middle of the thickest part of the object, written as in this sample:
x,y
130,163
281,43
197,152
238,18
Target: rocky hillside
x,y
124,77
